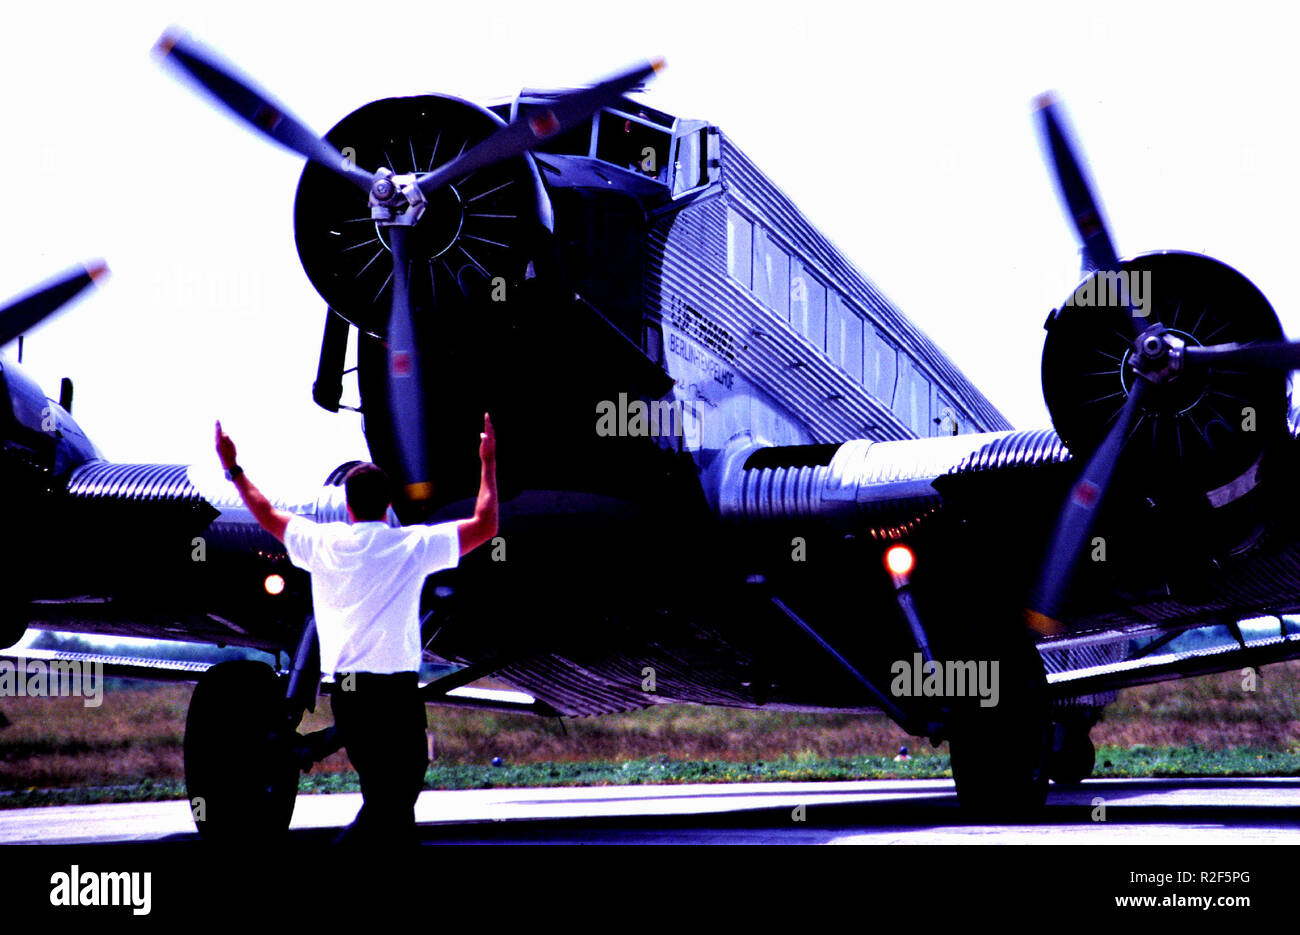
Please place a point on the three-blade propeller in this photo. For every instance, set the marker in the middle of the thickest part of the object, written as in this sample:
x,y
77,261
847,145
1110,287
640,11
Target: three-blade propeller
x,y
1152,341
397,202
34,306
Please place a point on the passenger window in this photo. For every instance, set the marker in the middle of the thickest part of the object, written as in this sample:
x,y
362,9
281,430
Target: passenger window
x,y
844,336
740,236
771,273
807,304
912,399
879,365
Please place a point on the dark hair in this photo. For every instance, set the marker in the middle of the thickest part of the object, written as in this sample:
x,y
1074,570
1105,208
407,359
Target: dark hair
x,y
368,491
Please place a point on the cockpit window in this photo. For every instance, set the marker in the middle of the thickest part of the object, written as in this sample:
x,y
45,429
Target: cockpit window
x,y
630,144
692,168
574,142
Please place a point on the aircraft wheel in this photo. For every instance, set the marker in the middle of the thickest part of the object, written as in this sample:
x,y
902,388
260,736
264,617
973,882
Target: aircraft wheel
x,y
1074,761
999,754
11,631
13,622
240,775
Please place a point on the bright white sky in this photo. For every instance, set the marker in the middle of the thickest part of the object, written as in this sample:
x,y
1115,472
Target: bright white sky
x,y
903,132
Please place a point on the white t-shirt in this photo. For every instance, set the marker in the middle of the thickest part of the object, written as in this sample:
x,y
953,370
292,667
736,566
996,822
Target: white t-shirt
x,y
366,580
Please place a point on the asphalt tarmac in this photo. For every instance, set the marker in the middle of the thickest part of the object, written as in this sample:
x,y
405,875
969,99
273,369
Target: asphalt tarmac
x,y
1101,811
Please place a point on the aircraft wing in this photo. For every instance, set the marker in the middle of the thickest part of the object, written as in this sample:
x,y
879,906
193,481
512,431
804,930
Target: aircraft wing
x,y
914,490
1133,619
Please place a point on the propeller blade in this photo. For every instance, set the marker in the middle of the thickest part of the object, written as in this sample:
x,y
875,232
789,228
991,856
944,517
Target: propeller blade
x,y
1079,514
1076,191
519,137
30,309
242,97
405,385
1273,355
1073,184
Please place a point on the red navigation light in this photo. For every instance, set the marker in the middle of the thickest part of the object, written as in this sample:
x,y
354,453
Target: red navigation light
x,y
899,560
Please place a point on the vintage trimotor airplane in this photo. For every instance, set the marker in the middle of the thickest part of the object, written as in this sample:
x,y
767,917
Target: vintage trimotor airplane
x,y
732,472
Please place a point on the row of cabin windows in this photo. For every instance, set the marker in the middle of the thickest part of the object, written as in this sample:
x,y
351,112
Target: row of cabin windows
x,y
826,319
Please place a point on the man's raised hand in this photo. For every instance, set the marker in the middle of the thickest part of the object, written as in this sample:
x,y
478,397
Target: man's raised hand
x,y
487,445
225,448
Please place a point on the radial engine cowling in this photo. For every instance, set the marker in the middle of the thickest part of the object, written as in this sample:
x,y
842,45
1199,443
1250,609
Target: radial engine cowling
x,y
1203,443
478,227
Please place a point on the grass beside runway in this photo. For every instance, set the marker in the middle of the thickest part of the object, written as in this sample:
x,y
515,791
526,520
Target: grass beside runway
x,y
1112,763
56,751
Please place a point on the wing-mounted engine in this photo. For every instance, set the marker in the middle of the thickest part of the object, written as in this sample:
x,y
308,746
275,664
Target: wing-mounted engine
x,y
1165,378
1203,442
1165,375
40,443
40,437
1202,431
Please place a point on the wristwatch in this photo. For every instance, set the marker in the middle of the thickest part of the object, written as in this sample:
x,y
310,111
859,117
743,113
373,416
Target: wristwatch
x,y
234,472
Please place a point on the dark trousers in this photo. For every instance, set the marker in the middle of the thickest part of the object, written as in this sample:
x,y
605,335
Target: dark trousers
x,y
382,724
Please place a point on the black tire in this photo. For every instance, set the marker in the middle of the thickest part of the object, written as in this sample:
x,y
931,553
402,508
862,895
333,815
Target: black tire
x,y
999,754
1075,760
11,631
13,622
240,775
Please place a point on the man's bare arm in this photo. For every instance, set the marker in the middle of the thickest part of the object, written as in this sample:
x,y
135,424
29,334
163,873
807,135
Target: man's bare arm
x,y
272,520
482,527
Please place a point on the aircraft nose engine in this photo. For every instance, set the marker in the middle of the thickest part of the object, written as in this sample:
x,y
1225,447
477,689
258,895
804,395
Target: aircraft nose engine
x,y
473,244
445,213
475,228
